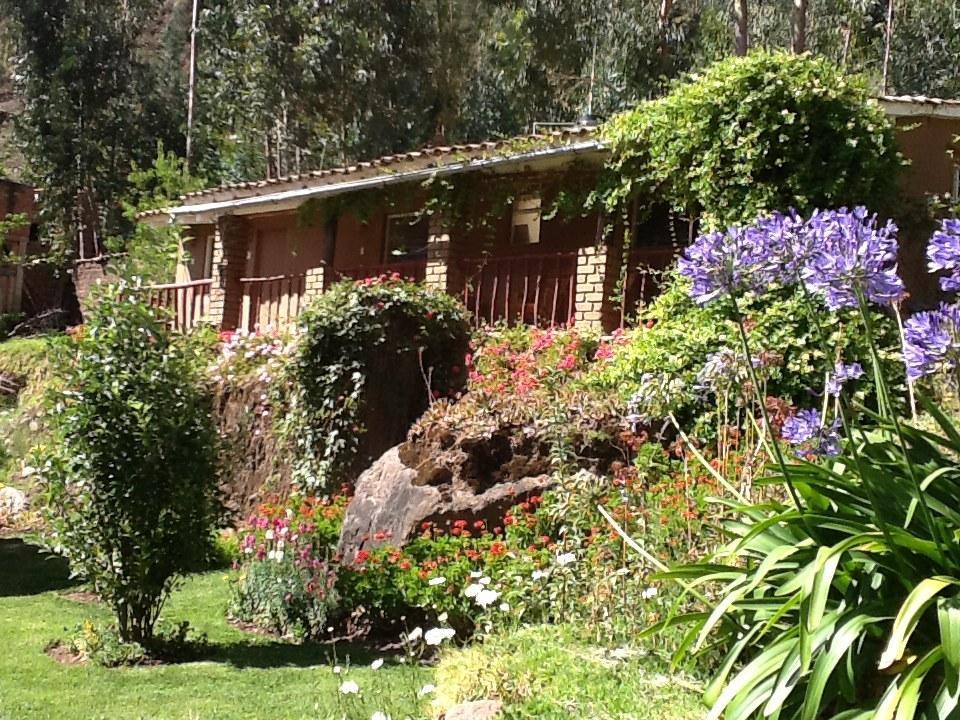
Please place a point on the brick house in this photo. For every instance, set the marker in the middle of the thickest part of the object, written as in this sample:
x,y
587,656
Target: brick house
x,y
258,252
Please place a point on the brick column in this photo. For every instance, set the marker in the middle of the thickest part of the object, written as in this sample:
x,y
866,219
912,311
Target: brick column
x,y
314,285
438,255
591,276
230,245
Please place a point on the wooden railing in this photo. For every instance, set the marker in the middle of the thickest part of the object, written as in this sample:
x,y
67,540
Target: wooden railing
x,y
646,268
188,302
272,302
415,270
521,290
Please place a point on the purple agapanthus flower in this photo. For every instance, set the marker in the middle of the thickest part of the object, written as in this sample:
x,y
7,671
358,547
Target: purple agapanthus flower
x,y
851,255
943,253
787,242
931,341
805,430
730,262
842,374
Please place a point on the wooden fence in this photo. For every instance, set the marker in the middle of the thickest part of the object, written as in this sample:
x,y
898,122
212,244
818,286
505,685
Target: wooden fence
x,y
188,302
272,302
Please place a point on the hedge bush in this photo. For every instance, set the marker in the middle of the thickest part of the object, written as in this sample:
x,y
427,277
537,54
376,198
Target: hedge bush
x,y
759,133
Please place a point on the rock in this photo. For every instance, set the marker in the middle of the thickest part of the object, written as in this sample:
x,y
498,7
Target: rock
x,y
441,480
12,503
475,710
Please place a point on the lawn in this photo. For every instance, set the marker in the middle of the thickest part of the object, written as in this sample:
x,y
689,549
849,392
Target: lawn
x,y
540,672
244,675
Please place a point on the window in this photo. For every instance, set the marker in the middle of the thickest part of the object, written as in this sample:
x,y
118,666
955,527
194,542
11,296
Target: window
x,y
406,238
526,220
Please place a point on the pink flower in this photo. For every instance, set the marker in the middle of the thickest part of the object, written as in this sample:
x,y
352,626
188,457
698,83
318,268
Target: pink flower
x,y
569,362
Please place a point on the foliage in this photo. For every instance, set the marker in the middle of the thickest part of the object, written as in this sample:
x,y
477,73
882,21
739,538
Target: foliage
x,y
547,672
759,133
287,584
94,105
849,601
660,362
368,345
152,253
131,511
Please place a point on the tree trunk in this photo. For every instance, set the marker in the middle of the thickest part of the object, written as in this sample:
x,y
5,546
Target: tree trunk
x,y
887,42
799,26
740,17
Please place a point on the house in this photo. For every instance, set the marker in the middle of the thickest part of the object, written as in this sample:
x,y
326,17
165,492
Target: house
x,y
16,199
258,252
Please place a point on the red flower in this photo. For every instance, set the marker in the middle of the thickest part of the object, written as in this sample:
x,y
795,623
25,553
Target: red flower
x,y
460,524
569,362
478,525
404,564
426,525
498,549
379,535
362,557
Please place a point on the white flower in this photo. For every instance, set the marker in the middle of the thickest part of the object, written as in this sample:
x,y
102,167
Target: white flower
x,y
336,670
648,593
379,716
269,535
486,597
415,634
440,580
376,664
539,575
435,636
475,574
442,617
426,690
566,559
349,688
484,581
472,590
504,607
620,653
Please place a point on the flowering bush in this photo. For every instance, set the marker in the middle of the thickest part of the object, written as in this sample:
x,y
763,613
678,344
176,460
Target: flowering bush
x,y
287,583
842,600
369,345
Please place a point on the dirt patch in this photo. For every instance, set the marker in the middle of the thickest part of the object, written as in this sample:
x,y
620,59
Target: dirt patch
x,y
85,598
64,654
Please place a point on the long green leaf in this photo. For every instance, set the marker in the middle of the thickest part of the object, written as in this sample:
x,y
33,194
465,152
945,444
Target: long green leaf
x,y
909,616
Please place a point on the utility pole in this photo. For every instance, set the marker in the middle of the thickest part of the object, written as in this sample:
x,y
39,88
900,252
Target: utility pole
x,y
193,79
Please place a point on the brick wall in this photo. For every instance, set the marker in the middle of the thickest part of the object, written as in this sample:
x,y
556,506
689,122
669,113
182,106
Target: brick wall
x,y
438,256
314,285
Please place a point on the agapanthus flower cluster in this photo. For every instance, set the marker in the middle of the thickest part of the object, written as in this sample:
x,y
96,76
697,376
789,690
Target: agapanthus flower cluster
x,y
840,255
730,262
805,430
931,341
850,257
841,375
943,254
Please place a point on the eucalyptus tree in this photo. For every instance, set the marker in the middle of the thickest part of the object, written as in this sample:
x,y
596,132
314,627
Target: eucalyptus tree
x,y
98,94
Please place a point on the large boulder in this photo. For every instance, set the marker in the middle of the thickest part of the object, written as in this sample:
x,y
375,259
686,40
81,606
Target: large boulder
x,y
441,479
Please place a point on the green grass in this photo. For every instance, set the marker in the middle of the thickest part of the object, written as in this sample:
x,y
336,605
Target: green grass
x,y
243,675
547,673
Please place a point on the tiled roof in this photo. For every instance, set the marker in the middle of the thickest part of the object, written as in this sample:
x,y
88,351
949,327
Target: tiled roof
x,y
387,164
921,100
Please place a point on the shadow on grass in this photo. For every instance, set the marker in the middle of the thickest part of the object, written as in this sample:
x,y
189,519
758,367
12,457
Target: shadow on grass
x,y
27,569
278,654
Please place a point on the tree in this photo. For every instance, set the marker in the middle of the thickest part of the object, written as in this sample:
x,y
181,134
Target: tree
x,y
94,105
130,471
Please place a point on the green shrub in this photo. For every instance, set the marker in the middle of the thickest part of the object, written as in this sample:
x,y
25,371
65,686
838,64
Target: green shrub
x,y
660,364
130,471
374,355
751,134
